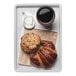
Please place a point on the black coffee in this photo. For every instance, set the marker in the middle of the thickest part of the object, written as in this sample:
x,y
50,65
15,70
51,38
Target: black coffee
x,y
45,14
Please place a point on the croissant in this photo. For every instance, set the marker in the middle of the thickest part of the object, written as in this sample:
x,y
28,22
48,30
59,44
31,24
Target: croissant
x,y
45,56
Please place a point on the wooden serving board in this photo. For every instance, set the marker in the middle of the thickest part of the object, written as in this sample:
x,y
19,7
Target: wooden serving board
x,y
45,35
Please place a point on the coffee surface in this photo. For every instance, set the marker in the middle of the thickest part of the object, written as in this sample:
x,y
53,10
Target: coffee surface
x,y
45,14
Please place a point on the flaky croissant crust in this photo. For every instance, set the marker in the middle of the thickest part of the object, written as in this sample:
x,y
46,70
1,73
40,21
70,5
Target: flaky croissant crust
x,y
45,56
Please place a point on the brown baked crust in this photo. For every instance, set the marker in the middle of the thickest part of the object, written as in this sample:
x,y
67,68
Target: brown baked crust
x,y
30,42
46,55
48,44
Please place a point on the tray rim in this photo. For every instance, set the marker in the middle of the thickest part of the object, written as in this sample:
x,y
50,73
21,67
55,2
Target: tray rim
x,y
36,5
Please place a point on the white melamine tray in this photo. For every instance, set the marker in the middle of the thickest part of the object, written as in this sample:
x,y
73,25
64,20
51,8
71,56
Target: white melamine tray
x,y
19,16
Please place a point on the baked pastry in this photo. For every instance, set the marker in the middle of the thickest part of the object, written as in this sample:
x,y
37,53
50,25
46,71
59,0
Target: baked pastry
x,y
30,42
45,56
